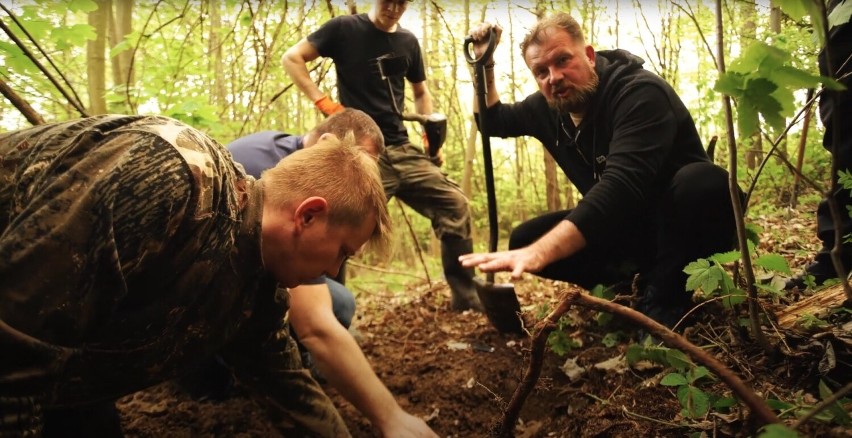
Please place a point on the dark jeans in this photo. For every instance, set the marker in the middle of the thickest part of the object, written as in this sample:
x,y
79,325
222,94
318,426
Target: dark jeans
x,y
692,219
834,110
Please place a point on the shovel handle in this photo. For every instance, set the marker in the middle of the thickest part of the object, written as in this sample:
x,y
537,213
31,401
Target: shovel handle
x,y
468,48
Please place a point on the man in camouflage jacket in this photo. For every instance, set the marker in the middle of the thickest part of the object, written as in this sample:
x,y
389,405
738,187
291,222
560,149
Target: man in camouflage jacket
x,y
132,247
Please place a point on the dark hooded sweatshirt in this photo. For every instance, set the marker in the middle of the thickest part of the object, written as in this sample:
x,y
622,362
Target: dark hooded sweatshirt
x,y
634,136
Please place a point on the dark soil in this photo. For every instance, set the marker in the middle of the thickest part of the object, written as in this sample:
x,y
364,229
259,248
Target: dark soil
x,y
458,373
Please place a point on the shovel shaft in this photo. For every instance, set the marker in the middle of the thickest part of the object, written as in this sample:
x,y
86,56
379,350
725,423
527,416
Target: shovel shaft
x,y
481,100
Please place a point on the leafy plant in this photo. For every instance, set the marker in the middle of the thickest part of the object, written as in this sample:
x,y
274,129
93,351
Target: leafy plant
x,y
777,430
694,401
559,341
809,322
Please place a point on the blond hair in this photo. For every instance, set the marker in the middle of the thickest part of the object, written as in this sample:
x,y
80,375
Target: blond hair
x,y
560,20
343,174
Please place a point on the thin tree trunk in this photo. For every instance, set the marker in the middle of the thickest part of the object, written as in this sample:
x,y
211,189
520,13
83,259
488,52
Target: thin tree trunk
x,y
96,58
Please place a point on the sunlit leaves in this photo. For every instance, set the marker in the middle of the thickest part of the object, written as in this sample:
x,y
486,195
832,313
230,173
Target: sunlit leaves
x,y
14,59
799,9
75,35
82,6
762,80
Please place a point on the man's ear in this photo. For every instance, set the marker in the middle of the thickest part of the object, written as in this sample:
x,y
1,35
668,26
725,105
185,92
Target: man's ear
x,y
310,211
590,53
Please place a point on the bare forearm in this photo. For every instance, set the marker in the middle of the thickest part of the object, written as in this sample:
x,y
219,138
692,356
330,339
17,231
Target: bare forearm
x,y
296,67
560,242
344,365
423,104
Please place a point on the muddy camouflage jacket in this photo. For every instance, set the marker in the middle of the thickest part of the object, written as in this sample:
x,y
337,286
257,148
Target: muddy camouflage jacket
x,y
130,251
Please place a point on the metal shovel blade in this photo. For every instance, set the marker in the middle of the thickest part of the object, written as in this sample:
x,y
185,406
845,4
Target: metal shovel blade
x,y
501,305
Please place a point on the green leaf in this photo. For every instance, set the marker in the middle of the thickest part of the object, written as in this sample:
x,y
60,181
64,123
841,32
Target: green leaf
x,y
73,36
15,59
694,401
759,92
771,289
840,15
773,262
698,373
796,9
831,84
678,360
661,355
777,430
724,403
674,379
753,232
779,405
731,84
746,118
120,47
82,6
734,297
792,77
38,28
726,257
610,339
840,415
698,273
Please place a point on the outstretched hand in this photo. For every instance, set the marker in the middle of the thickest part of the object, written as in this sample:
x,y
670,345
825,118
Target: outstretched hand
x,y
516,261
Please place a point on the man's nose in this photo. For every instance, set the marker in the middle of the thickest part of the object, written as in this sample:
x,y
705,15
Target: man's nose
x,y
554,75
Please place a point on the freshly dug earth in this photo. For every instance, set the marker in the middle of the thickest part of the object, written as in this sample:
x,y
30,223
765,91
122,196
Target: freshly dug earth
x,y
458,373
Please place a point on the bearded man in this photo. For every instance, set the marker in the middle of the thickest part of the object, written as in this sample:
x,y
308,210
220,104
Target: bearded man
x,y
652,200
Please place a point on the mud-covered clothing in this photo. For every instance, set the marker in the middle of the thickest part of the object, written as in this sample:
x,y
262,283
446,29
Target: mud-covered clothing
x,y
633,140
358,50
839,132
130,251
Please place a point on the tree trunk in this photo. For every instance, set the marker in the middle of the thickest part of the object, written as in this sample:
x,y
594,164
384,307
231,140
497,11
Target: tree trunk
x,y
96,58
120,26
554,202
218,96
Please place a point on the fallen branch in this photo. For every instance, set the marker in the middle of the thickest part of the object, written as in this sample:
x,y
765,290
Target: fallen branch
x,y
576,296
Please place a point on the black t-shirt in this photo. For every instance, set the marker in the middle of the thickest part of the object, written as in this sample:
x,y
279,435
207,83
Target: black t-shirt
x,y
358,48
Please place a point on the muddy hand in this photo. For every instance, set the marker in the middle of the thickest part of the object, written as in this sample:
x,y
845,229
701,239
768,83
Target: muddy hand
x,y
480,37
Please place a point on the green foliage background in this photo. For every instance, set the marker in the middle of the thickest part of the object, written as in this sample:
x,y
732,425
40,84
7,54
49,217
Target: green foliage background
x,y
175,75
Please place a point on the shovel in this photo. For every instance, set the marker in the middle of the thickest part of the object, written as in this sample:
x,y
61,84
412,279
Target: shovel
x,y
499,300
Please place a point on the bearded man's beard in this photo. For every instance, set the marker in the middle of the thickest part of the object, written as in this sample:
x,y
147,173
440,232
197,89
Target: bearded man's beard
x,y
578,101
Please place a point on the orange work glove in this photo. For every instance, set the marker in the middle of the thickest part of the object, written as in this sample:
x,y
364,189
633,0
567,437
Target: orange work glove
x,y
328,106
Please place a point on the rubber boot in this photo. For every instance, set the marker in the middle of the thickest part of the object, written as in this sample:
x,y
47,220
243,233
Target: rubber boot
x,y
459,279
